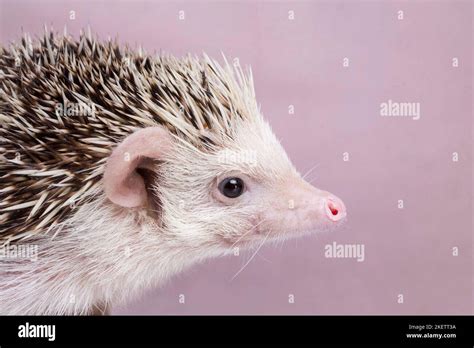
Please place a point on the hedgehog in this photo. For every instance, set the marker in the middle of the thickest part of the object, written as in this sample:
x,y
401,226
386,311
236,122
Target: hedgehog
x,y
124,168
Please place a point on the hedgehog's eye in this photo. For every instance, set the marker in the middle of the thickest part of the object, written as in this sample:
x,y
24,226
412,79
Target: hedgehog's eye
x,y
231,187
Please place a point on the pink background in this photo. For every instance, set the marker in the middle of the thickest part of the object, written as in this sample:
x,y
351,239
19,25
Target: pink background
x,y
299,63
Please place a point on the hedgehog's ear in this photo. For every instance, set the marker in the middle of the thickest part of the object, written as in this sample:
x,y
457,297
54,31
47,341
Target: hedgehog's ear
x,y
123,184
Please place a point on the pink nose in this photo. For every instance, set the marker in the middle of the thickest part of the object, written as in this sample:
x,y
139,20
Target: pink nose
x,y
335,209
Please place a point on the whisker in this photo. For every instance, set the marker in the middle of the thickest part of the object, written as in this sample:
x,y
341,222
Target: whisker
x,y
311,181
242,236
311,169
251,258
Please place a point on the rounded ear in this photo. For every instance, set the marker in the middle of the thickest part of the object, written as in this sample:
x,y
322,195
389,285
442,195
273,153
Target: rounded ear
x,y
123,185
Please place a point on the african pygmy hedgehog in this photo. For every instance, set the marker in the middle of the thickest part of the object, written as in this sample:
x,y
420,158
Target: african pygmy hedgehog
x,y
125,168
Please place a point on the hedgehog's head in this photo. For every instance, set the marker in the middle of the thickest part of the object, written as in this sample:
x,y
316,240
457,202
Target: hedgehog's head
x,y
237,195
232,186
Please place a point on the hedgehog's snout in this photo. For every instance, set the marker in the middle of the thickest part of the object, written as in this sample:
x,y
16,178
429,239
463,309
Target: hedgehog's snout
x,y
322,207
335,208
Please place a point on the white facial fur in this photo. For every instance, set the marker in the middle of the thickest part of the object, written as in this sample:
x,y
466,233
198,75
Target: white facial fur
x,y
276,201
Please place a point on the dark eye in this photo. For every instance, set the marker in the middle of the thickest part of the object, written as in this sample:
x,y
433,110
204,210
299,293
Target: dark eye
x,y
231,187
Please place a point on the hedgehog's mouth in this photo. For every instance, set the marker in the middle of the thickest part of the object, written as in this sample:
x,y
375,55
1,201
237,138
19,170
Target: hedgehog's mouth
x,y
298,232
262,233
